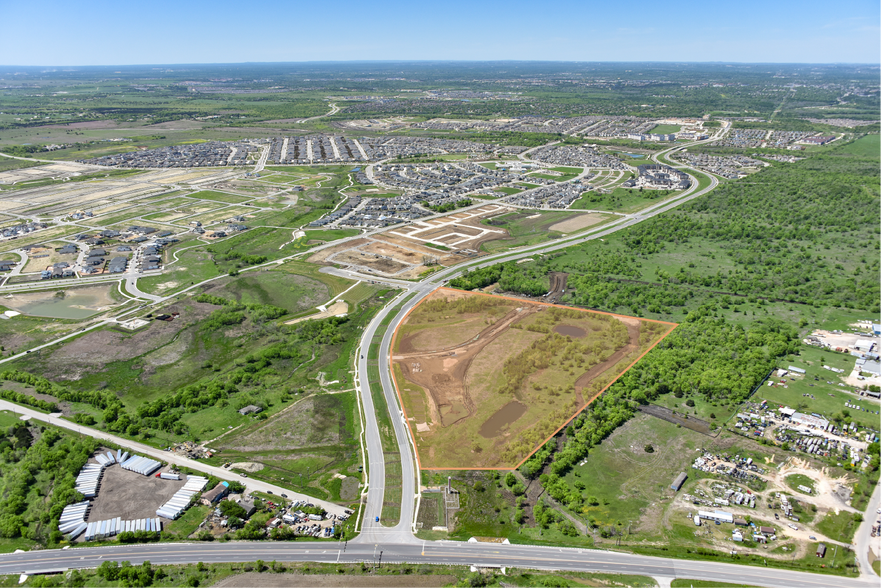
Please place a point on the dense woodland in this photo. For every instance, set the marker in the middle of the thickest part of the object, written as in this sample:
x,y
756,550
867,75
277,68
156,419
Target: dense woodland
x,y
39,468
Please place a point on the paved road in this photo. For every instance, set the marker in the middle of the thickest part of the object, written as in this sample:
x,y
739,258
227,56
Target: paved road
x,y
863,536
167,456
446,552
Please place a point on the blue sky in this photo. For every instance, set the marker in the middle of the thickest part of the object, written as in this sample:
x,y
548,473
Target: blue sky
x,y
53,32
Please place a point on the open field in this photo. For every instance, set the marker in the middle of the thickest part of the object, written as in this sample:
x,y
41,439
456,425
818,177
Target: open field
x,y
69,303
219,197
620,200
530,228
867,146
468,413
311,445
666,129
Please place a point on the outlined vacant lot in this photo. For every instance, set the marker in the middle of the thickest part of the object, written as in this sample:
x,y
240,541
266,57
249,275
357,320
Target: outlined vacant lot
x,y
485,380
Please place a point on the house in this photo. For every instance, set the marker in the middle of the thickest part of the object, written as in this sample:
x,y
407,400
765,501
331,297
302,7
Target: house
x,y
250,409
766,530
215,494
249,507
740,522
68,249
6,265
821,550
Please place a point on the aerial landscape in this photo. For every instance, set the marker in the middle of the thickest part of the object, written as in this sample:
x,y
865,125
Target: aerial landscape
x,y
500,302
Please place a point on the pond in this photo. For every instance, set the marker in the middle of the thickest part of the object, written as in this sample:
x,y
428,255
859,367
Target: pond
x,y
631,155
74,305
571,331
502,418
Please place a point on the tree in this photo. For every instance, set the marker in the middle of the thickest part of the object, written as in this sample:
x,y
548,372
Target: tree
x,y
510,479
232,509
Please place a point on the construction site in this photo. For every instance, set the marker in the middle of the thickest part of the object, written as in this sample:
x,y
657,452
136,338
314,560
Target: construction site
x,y
485,380
409,250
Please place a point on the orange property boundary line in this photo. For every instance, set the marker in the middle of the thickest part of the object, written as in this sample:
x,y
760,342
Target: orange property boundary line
x,y
561,427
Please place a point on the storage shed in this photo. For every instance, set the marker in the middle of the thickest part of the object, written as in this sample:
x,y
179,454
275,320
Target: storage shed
x,y
677,483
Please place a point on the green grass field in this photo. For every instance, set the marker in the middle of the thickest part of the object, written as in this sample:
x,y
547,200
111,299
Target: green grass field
x,y
527,228
665,129
613,492
840,527
796,480
621,200
272,287
867,146
713,411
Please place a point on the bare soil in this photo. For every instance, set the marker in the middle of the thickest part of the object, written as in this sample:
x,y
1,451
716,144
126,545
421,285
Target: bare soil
x,y
379,264
129,495
576,223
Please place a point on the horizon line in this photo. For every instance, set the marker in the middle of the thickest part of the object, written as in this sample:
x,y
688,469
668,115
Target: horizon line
x,y
462,61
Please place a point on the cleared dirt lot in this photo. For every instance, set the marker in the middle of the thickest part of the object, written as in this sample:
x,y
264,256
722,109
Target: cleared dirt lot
x,y
579,222
408,247
129,495
484,380
371,260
